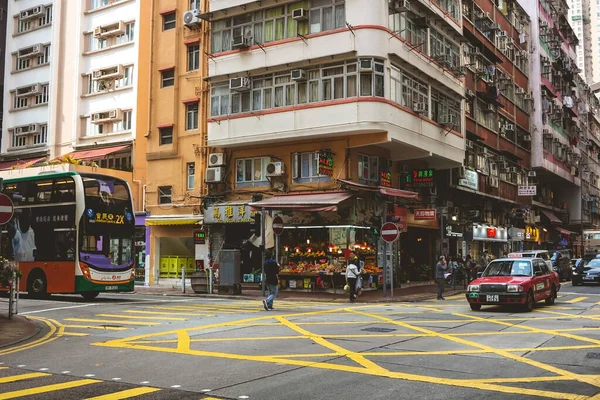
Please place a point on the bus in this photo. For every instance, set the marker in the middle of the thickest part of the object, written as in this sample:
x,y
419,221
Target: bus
x,y
71,232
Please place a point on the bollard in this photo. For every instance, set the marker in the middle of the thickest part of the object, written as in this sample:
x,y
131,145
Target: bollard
x,y
210,281
183,280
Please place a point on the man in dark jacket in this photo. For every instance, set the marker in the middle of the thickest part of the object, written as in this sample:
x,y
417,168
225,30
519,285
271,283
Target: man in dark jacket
x,y
271,280
440,269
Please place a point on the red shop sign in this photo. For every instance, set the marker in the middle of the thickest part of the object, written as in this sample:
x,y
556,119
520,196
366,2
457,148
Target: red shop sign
x,y
491,232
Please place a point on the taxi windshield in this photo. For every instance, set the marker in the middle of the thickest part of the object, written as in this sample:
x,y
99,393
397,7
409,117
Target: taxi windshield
x,y
508,268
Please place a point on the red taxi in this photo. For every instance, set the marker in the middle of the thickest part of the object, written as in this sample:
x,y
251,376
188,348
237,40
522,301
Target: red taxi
x,y
514,281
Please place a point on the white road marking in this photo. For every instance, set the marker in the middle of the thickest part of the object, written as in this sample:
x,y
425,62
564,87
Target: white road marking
x,y
176,386
89,375
243,397
56,309
144,383
65,372
116,379
43,369
21,366
206,390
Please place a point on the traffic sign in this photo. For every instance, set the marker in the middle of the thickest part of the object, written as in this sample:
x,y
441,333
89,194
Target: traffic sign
x,y
7,209
277,225
389,232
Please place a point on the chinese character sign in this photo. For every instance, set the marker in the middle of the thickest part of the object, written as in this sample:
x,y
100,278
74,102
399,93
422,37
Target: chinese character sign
x,y
325,163
425,215
385,179
423,178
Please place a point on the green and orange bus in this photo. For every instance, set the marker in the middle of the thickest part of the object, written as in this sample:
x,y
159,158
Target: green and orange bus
x,y
71,232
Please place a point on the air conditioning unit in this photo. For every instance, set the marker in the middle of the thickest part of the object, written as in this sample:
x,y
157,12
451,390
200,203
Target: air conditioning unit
x,y
469,144
191,18
27,129
502,34
469,93
511,170
240,84
461,171
490,108
298,75
449,119
214,175
493,169
527,138
31,13
420,107
444,59
115,72
528,97
216,159
241,42
520,90
544,24
495,27
27,91
115,29
365,65
509,127
106,116
31,51
275,168
401,6
531,174
300,14
460,71
492,181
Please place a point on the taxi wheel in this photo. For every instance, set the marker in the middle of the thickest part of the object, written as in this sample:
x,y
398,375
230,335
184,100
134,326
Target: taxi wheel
x,y
475,307
550,300
528,306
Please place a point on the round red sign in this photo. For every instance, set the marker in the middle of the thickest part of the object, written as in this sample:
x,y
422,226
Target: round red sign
x,y
277,225
7,209
389,232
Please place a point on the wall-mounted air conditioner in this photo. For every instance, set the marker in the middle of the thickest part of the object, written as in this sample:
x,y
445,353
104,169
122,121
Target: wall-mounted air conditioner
x,y
191,18
401,6
241,42
214,174
240,84
27,91
300,14
106,116
216,159
30,51
298,75
420,107
365,65
114,72
275,168
115,29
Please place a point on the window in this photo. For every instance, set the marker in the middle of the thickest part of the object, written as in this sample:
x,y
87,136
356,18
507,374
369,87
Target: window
x,y
444,108
128,35
165,194
42,98
191,116
30,138
124,124
403,26
20,102
31,60
100,85
325,83
276,23
98,3
167,77
23,26
368,169
251,169
127,79
193,57
407,90
306,167
165,135
191,175
194,4
440,46
169,21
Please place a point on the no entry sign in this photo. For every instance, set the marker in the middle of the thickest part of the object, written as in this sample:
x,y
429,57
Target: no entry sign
x,y
7,209
389,232
277,225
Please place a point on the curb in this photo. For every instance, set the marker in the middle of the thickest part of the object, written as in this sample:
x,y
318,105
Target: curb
x,y
35,331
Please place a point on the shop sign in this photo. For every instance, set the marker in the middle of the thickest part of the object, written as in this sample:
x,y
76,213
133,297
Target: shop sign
x,y
527,190
325,162
532,233
489,233
419,178
451,233
425,214
385,178
402,214
471,180
199,237
229,214
516,234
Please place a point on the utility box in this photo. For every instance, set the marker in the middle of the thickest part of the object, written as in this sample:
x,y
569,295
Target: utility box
x,y
230,268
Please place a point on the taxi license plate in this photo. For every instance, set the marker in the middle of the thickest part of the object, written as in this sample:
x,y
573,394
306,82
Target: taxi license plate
x,y
111,288
492,298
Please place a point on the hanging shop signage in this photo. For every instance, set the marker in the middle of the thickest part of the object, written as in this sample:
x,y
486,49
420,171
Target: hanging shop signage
x,y
532,233
229,214
325,162
489,233
516,234
199,237
385,178
399,216
419,178
452,233
471,180
425,214
527,190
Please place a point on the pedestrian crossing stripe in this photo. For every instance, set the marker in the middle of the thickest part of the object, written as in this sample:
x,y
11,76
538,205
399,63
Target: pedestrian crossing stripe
x,y
47,388
576,300
125,394
16,378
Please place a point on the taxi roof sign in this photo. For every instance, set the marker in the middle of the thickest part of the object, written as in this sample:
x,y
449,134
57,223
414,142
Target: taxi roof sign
x,y
515,255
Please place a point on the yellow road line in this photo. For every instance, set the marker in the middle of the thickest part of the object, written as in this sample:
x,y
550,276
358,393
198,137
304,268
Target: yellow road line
x,y
3,367
75,334
47,388
16,378
138,317
106,321
169,313
455,352
576,300
125,394
107,328
54,333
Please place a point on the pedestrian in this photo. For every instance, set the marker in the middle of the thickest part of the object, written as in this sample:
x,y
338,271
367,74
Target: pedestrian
x,y
453,264
351,277
271,280
440,269
469,265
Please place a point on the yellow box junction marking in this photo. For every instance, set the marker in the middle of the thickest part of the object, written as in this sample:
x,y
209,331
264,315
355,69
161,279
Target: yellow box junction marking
x,y
47,388
20,377
126,394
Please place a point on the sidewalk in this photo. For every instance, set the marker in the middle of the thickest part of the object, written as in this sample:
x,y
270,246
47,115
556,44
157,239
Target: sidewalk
x,y
412,293
16,330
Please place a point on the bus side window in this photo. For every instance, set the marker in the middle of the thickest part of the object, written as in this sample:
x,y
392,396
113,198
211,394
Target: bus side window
x,y
41,191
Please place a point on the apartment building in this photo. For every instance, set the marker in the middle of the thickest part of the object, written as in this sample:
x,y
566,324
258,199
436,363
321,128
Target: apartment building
x,y
3,14
171,147
70,82
325,112
584,20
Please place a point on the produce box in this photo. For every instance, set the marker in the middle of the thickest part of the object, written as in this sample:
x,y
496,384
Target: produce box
x,y
248,278
292,284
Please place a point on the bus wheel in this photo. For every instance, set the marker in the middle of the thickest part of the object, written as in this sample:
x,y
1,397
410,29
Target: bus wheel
x,y
36,285
90,295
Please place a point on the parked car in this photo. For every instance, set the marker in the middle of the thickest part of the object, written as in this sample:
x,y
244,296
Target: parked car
x,y
561,264
543,254
587,273
577,262
514,281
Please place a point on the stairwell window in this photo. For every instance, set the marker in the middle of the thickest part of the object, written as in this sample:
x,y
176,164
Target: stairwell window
x,y
191,176
251,170
165,194
169,21
167,77
194,4
165,135
368,169
193,57
191,116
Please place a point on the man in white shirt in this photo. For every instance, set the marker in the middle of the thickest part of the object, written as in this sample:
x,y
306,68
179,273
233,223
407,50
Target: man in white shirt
x,y
351,277
23,238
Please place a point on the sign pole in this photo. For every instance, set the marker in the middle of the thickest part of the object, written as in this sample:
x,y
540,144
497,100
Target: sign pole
x,y
441,233
262,250
391,269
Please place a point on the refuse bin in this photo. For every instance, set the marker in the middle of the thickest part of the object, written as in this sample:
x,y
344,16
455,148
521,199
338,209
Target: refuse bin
x,y
230,272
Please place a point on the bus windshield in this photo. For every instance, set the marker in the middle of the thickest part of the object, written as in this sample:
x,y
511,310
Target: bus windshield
x,y
106,240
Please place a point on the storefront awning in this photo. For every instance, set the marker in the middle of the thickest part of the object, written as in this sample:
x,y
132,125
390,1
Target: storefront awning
x,y
553,218
162,221
96,154
20,163
303,202
564,231
405,194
